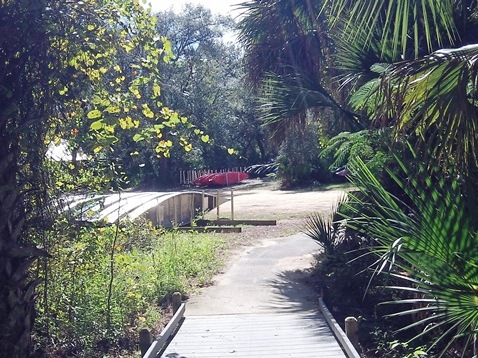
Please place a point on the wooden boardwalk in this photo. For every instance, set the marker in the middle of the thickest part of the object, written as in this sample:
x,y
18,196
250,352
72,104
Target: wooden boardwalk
x,y
262,306
254,335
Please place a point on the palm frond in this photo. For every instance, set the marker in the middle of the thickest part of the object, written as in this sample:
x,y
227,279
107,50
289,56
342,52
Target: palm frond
x,y
429,241
408,24
285,100
279,36
327,231
436,98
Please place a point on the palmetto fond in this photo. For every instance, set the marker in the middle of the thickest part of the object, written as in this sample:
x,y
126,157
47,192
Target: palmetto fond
x,y
427,238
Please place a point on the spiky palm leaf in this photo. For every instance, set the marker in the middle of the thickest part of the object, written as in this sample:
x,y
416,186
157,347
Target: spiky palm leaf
x,y
408,24
285,100
436,97
430,241
327,231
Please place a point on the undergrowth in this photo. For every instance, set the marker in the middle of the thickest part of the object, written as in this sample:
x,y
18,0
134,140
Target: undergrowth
x,y
103,283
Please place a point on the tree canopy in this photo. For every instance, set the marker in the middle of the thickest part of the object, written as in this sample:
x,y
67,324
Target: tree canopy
x,y
61,72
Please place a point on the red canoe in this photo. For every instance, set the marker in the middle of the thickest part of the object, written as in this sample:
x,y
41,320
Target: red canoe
x,y
221,179
203,180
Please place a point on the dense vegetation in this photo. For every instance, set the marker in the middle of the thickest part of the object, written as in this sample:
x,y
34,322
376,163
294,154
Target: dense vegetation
x,y
385,90
104,283
397,75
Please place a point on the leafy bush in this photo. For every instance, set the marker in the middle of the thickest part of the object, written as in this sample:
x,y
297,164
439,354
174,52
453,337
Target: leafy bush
x,y
101,284
298,158
372,146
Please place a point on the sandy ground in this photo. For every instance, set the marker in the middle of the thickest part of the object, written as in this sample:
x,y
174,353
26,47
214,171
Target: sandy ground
x,y
265,201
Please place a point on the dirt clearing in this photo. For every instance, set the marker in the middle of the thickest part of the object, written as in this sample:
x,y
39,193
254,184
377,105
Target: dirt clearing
x,y
265,201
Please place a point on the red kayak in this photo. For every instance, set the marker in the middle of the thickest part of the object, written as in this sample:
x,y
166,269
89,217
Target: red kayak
x,y
203,180
221,179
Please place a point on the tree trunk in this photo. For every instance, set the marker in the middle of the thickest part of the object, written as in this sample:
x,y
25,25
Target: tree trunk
x,y
16,256
23,49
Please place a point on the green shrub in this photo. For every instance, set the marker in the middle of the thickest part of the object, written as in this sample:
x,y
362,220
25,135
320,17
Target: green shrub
x,y
298,159
101,284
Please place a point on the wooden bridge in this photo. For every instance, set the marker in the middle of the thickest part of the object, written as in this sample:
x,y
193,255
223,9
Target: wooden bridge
x,y
261,306
254,335
167,209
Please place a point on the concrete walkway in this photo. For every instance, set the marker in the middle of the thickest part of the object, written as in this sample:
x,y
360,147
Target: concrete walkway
x,y
262,306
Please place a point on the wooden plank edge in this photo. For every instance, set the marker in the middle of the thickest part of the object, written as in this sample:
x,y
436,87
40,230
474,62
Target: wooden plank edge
x,y
210,229
344,341
238,222
162,338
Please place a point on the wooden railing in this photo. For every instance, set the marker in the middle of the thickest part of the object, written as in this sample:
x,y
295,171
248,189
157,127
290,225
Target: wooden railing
x,y
150,348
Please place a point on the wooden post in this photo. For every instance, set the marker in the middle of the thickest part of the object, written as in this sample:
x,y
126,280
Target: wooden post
x,y
202,205
351,330
192,210
176,301
217,204
232,205
145,340
175,217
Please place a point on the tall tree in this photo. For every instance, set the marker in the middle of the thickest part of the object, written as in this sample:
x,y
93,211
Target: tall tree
x,y
52,53
288,54
204,83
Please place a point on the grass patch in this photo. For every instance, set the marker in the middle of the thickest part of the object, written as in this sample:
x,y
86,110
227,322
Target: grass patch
x,y
104,283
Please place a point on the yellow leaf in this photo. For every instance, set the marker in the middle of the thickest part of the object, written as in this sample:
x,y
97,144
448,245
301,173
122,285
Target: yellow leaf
x,y
205,138
147,111
156,90
113,109
94,114
96,125
230,151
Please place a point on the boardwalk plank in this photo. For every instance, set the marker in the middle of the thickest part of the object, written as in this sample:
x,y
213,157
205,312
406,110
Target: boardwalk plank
x,y
254,335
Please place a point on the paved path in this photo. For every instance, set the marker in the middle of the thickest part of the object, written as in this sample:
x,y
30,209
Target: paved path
x,y
261,306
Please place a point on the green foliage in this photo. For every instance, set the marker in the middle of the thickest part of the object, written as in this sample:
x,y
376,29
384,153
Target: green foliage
x,y
299,158
78,308
328,232
83,176
428,241
206,72
372,146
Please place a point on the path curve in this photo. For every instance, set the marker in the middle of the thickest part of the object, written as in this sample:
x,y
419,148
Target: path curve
x,y
272,274
263,304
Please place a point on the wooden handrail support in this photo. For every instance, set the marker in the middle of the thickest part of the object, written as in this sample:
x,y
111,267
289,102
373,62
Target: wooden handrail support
x,y
162,338
344,341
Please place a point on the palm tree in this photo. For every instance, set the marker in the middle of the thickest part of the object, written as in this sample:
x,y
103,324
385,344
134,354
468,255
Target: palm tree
x,y
428,239
287,53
